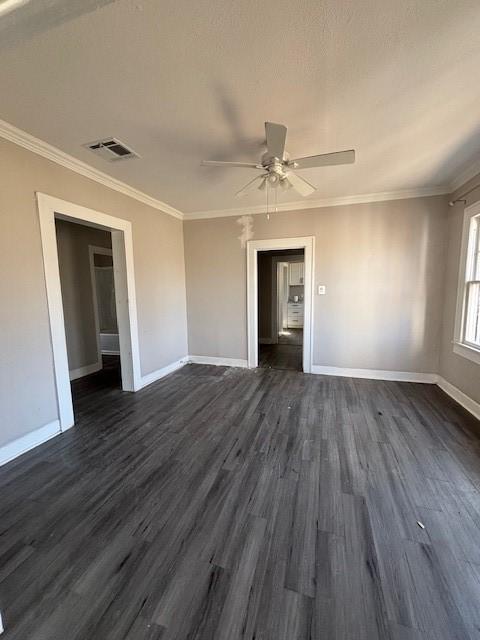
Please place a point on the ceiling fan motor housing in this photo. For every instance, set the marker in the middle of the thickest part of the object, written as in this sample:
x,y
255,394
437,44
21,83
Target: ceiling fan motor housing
x,y
276,169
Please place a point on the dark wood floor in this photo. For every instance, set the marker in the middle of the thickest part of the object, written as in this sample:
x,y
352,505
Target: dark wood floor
x,y
226,503
287,354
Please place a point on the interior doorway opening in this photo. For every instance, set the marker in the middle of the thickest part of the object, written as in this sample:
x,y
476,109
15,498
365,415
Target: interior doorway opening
x,y
281,293
87,281
119,234
277,330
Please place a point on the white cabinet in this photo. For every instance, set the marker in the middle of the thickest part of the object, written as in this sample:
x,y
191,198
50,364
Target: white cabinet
x,y
295,315
295,273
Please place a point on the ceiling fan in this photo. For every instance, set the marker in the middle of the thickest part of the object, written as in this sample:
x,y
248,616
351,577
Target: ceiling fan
x,y
277,166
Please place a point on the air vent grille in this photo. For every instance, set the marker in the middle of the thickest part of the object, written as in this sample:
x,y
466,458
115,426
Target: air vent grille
x,y
111,149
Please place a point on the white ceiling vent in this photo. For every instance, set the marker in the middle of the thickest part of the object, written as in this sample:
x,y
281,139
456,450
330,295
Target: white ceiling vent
x,y
111,149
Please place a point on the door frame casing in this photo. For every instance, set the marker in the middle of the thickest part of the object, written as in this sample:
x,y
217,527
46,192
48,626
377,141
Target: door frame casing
x,y
277,313
49,209
307,243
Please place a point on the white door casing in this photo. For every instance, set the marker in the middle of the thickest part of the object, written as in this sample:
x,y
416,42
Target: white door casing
x,y
50,208
253,248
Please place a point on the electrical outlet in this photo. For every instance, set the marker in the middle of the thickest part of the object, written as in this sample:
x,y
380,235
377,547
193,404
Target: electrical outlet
x,y
322,289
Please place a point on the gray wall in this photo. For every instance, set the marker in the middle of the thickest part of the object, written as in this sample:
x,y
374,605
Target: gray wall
x,y
383,265
73,241
462,373
27,387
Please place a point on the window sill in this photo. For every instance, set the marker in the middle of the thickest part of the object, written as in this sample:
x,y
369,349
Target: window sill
x,y
466,351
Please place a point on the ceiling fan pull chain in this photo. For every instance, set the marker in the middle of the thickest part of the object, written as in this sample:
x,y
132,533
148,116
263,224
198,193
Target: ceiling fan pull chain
x,y
268,214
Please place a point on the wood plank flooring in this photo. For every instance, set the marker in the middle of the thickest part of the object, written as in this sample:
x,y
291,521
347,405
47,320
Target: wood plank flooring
x,y
221,504
287,354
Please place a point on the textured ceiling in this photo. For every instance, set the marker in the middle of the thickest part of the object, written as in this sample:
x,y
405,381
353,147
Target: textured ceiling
x,y
179,81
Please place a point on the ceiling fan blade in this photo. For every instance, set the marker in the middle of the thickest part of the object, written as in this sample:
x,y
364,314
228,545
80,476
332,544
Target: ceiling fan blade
x,y
301,185
324,160
256,183
220,163
276,135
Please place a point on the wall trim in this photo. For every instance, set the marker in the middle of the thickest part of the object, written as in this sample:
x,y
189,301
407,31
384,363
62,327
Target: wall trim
x,y
465,175
29,441
466,352
465,401
85,370
366,198
164,371
376,374
27,141
219,361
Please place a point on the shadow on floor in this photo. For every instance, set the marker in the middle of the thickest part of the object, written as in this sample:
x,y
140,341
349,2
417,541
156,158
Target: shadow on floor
x,y
287,354
107,379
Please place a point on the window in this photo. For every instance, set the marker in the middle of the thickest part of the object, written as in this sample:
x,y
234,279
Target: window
x,y
467,322
472,286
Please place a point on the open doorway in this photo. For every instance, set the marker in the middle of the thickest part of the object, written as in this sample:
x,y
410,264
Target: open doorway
x,y
273,285
112,235
281,293
89,306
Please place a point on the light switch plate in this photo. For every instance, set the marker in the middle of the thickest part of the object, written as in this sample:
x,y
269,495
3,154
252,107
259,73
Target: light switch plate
x,y
322,289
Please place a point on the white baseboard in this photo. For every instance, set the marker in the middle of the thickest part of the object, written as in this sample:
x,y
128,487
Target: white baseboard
x,y
376,374
164,371
460,397
219,361
86,370
404,376
29,441
267,341
110,352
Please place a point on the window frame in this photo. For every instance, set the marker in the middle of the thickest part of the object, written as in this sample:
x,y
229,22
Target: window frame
x,y
461,346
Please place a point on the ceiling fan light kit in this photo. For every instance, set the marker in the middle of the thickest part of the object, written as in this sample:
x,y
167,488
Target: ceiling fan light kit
x,y
278,168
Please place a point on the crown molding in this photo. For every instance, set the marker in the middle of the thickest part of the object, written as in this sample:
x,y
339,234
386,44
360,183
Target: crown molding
x,y
27,141
48,151
326,202
464,176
